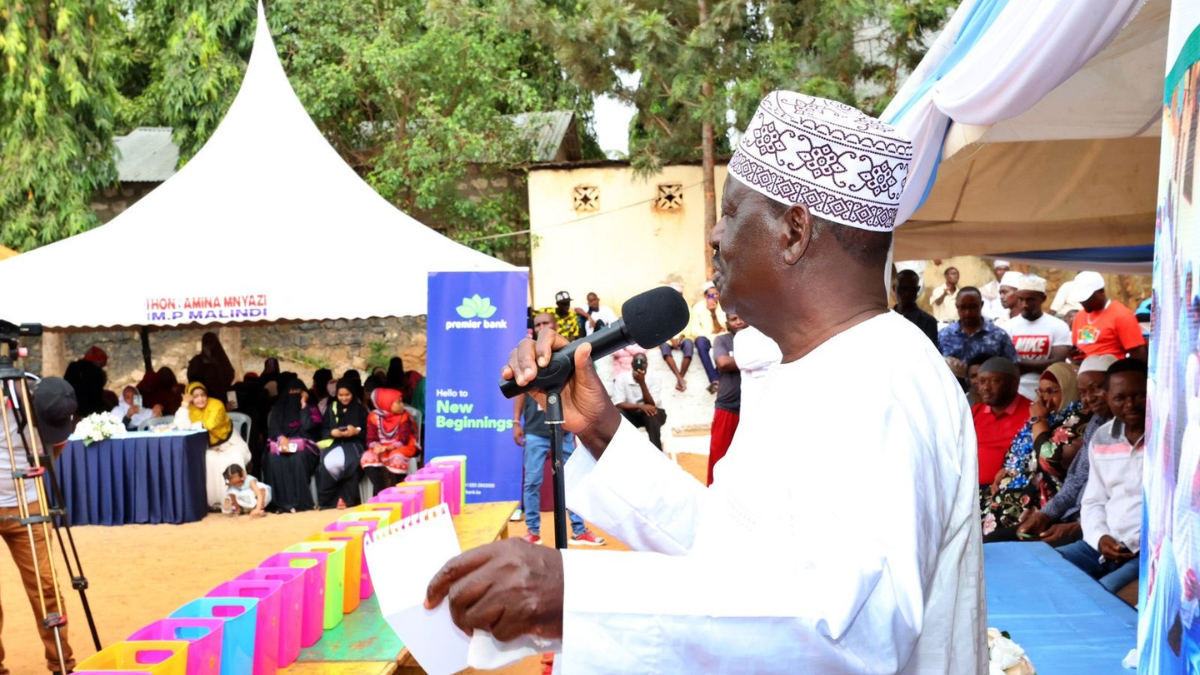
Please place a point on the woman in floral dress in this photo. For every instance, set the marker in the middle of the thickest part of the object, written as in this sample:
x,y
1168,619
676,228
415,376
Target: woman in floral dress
x,y
1039,456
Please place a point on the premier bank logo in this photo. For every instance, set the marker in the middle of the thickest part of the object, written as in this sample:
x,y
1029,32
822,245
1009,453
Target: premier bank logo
x,y
477,311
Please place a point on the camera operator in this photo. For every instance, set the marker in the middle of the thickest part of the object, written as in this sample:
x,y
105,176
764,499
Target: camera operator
x,y
54,406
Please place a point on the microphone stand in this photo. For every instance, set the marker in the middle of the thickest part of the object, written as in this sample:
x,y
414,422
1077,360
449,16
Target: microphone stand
x,y
554,418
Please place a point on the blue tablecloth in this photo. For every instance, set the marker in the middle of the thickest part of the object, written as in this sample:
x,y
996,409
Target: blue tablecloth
x,y
1066,622
142,478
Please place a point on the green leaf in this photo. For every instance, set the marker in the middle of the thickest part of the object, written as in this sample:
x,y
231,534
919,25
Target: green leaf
x,y
487,311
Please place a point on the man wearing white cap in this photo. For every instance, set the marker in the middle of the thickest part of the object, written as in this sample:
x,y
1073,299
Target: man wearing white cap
x,y
1104,326
992,307
799,573
1008,299
1041,340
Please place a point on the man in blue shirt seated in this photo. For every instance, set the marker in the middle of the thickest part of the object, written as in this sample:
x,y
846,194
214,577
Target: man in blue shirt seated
x,y
972,334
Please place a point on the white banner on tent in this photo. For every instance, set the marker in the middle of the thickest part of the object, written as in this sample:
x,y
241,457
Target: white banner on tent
x,y
207,308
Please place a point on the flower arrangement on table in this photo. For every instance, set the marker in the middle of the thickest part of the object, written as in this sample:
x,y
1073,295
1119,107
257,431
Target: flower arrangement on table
x,y
1006,657
99,426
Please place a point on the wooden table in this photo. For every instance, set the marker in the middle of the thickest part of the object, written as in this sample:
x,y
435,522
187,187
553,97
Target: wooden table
x,y
364,644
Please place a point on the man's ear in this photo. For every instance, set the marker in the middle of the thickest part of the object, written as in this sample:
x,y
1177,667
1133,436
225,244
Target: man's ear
x,y
798,232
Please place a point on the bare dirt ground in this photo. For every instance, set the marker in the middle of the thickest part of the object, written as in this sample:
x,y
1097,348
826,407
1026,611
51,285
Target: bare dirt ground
x,y
141,573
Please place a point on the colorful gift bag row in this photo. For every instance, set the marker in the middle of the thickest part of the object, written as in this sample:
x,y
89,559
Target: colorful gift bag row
x,y
257,622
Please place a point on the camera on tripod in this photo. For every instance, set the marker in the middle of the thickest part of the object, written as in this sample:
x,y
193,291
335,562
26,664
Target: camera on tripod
x,y
10,339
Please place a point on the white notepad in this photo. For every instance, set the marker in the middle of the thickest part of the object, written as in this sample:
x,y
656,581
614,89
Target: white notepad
x,y
403,559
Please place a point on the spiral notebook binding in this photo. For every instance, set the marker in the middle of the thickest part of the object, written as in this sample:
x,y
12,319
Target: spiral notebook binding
x,y
439,511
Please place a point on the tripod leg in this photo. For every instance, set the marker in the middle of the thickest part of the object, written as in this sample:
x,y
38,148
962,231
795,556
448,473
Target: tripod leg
x,y
42,588
74,564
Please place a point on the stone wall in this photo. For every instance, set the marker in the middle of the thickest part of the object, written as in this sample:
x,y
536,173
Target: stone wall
x,y
302,347
112,202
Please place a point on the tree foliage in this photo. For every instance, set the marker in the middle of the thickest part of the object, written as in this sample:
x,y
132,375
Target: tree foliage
x,y
187,60
414,97
414,93
58,101
848,50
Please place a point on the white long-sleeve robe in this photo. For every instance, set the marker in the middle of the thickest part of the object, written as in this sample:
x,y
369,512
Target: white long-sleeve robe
x,y
840,535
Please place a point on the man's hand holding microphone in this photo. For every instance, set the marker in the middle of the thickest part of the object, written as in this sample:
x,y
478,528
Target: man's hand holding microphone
x,y
512,588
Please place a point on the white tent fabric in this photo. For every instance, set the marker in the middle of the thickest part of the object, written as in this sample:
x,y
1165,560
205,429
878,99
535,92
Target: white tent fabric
x,y
1034,114
229,238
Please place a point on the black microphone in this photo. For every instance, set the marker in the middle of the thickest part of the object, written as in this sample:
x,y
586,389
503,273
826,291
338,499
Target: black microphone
x,y
648,319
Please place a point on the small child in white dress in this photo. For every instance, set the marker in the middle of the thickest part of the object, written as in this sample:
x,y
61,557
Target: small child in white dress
x,y
244,494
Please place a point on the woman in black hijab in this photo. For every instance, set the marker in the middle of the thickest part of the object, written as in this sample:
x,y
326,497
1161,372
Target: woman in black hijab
x,y
291,429
212,368
345,425
403,381
320,393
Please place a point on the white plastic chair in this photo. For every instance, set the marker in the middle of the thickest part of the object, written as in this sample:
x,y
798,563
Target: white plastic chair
x,y
241,424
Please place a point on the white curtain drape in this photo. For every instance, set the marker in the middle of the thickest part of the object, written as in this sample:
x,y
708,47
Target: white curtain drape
x,y
995,60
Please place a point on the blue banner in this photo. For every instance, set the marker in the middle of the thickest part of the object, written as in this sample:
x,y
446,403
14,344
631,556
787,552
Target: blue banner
x,y
474,321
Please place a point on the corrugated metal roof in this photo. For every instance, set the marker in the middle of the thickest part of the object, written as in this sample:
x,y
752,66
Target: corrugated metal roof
x,y
547,131
146,155
552,136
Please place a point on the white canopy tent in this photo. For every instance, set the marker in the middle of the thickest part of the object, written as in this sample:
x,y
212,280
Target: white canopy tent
x,y
1043,123
223,239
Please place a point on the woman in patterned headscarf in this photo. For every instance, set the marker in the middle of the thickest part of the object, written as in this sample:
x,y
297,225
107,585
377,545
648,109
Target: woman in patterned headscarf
x,y
225,448
1039,456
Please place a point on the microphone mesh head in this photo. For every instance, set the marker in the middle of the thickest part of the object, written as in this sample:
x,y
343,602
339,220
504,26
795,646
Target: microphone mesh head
x,y
655,316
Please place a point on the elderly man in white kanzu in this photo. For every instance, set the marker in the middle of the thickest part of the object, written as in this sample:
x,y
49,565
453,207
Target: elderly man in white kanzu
x,y
777,567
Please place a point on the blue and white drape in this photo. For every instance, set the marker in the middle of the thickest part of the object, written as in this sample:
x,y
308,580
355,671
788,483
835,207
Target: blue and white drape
x,y
994,60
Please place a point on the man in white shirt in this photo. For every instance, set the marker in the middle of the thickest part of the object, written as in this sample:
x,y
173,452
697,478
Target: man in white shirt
x,y
598,316
1008,299
708,321
992,307
1041,340
849,591
638,395
1111,512
943,298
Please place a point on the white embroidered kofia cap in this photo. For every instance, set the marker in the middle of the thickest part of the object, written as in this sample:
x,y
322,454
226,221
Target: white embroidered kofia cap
x,y
844,165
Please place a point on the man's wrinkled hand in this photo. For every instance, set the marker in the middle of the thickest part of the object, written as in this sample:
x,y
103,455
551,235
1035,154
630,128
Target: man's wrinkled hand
x,y
510,588
587,408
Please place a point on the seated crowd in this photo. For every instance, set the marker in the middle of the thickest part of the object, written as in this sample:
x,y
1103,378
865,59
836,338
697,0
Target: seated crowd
x,y
331,435
1059,412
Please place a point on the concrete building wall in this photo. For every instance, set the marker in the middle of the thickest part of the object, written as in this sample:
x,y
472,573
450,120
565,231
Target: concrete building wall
x,y
627,243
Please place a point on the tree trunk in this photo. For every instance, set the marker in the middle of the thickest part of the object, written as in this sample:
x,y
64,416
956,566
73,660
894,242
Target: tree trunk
x,y
708,150
231,339
147,361
54,354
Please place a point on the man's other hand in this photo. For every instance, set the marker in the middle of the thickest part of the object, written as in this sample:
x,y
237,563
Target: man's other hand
x,y
510,588
1113,551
